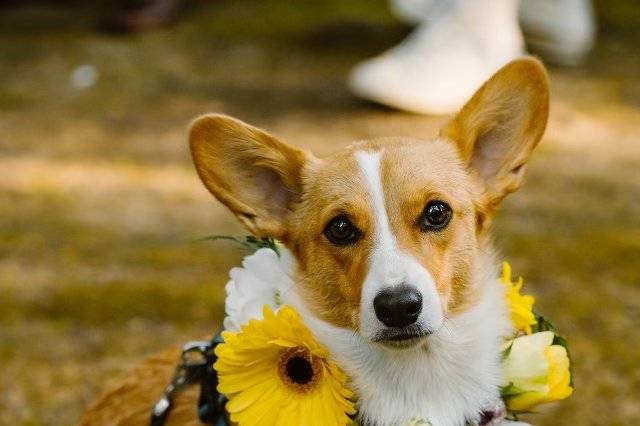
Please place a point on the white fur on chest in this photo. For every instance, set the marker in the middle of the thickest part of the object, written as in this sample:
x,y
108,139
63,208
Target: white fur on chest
x,y
448,381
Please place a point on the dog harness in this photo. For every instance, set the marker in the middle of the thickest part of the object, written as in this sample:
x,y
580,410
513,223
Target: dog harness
x,y
195,367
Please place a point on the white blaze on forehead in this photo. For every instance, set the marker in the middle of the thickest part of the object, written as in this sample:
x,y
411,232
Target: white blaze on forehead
x,y
370,164
388,265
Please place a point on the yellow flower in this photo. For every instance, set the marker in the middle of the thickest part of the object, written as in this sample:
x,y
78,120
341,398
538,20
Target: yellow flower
x,y
535,372
274,372
521,305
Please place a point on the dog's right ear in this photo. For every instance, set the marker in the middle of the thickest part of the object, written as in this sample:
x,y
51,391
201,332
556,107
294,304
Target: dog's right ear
x,y
251,172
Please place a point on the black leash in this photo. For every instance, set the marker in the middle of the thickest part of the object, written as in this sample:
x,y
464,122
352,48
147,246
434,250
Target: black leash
x,y
196,366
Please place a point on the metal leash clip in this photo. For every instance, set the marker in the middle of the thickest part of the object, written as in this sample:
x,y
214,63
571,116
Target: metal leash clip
x,y
196,366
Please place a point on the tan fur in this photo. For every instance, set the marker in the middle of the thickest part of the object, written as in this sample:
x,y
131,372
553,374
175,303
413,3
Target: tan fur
x,y
331,277
128,400
254,174
281,191
497,130
417,182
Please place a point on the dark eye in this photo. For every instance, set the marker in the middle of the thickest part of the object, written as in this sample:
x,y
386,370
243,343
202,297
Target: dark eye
x,y
340,231
435,216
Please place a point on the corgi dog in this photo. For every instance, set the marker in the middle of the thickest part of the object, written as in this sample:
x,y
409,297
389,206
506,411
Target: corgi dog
x,y
390,238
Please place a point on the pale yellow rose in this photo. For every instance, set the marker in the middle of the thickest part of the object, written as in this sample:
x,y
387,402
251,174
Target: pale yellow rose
x,y
535,372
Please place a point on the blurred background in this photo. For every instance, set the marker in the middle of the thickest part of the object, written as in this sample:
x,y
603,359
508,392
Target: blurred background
x,y
101,210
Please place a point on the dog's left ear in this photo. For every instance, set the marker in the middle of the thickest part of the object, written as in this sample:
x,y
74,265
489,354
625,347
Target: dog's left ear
x,y
497,129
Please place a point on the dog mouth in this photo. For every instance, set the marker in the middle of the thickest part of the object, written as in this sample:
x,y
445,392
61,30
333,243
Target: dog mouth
x,y
402,337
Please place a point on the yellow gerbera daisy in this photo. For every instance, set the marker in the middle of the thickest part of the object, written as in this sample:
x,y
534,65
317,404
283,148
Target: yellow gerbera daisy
x,y
521,305
274,372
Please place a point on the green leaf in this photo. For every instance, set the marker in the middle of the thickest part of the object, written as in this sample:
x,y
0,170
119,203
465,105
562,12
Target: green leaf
x,y
249,243
265,242
545,325
510,391
505,353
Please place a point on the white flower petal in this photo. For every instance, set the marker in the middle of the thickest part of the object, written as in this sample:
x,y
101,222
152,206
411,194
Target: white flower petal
x,y
255,284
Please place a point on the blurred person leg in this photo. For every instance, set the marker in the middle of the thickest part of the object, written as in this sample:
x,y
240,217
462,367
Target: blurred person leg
x,y
562,31
445,59
411,12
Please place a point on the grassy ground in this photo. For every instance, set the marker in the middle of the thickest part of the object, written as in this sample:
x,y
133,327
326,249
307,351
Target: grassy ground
x,y
100,206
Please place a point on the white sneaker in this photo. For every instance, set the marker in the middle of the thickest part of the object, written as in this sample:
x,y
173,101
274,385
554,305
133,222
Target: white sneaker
x,y
441,64
562,31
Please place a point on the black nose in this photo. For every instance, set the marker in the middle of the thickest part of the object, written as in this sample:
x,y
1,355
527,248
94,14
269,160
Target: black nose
x,y
398,306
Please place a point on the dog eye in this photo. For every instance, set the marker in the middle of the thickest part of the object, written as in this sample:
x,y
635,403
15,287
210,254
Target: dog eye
x,y
435,216
341,232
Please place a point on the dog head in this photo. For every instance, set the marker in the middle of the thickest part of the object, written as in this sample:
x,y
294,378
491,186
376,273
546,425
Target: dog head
x,y
387,233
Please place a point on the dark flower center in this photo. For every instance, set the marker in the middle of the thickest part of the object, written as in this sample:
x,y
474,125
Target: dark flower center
x,y
299,370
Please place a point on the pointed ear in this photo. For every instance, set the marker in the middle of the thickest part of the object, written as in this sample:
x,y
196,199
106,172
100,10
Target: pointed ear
x,y
497,129
255,175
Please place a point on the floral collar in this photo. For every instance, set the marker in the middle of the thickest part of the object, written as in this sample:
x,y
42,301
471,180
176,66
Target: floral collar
x,y
272,369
